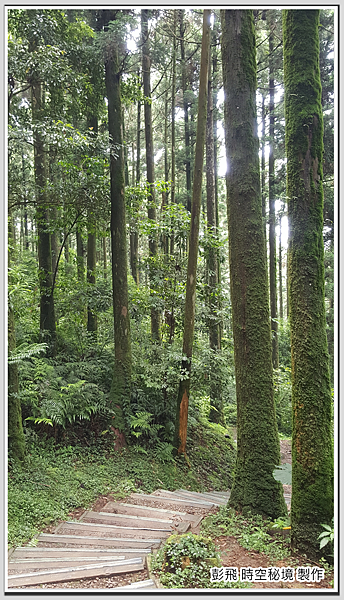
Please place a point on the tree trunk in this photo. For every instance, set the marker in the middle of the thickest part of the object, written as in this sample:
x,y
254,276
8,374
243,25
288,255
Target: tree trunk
x,y
16,440
47,310
173,123
272,216
254,487
186,111
121,385
153,246
263,170
216,411
134,234
312,446
189,318
91,277
104,257
280,269
80,256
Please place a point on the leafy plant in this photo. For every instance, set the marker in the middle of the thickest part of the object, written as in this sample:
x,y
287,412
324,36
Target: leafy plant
x,y
283,473
327,536
141,424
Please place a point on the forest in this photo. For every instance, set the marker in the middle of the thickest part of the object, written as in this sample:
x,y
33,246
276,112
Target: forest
x,y
171,271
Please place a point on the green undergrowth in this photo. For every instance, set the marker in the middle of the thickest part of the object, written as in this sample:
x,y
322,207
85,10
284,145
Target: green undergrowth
x,y
185,561
56,479
252,532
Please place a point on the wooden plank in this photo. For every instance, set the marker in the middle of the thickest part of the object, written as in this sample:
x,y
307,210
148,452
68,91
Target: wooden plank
x,y
150,499
80,540
72,573
199,497
188,497
30,553
145,511
127,521
43,564
146,583
109,530
213,493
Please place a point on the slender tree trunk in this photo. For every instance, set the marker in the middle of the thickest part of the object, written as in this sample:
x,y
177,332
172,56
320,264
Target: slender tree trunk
x,y
272,216
121,385
280,269
134,234
189,318
254,487
216,402
80,255
153,246
104,257
312,447
47,310
91,277
173,123
186,111
16,440
263,169
92,123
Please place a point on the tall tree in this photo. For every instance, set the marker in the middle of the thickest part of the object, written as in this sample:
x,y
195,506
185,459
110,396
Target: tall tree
x,y
312,450
16,440
254,488
182,28
121,384
216,411
189,316
153,246
272,215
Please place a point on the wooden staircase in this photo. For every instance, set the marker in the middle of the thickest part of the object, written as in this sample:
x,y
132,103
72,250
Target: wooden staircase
x,y
116,540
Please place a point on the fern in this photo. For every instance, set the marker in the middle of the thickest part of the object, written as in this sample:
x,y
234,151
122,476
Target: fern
x,y
24,352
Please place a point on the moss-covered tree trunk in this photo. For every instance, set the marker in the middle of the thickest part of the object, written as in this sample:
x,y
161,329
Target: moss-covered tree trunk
x,y
263,168
254,488
153,245
80,255
312,450
189,315
16,440
272,216
47,310
216,402
121,385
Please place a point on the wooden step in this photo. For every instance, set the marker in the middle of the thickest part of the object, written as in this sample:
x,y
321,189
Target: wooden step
x,y
106,530
88,540
72,573
170,501
33,553
217,495
199,497
42,564
127,521
182,497
147,511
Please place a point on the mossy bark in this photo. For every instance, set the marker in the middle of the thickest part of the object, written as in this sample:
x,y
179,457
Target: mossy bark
x,y
153,244
47,310
121,384
254,488
312,449
189,315
187,161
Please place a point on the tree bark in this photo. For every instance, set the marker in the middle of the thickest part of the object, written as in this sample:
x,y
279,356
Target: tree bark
x,y
312,446
216,411
189,318
47,309
153,245
92,322
254,487
80,255
272,216
121,384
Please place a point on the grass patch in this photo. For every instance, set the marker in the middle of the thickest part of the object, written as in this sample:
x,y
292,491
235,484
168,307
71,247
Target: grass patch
x,y
252,532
